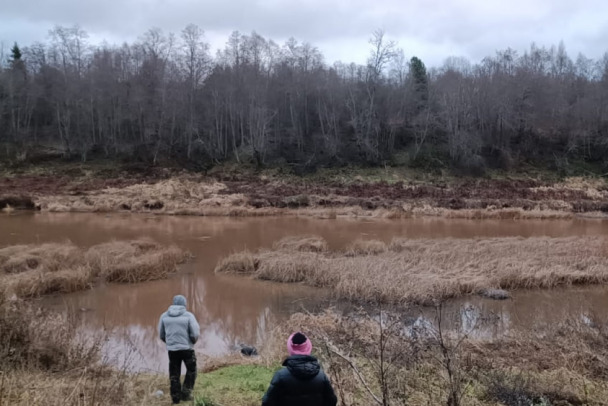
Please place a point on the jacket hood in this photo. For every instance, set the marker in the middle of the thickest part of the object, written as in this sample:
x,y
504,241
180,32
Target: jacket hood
x,y
176,310
179,300
302,366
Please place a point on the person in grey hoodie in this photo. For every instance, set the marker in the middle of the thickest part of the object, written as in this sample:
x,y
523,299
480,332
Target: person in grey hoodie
x,y
179,329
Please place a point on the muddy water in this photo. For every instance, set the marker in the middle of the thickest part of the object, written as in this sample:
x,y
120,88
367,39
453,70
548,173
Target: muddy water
x,y
235,310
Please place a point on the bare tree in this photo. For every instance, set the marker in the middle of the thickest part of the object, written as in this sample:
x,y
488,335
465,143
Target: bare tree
x,y
196,64
167,98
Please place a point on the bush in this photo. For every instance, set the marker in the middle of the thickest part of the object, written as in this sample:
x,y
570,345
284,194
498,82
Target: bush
x,y
39,339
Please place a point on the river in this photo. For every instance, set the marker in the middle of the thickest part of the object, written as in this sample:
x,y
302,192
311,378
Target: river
x,y
235,310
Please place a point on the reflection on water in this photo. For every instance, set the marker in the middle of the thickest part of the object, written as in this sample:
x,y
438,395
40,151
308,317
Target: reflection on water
x,y
233,309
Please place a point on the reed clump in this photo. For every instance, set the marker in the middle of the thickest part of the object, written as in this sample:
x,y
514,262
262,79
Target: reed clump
x,y
49,257
28,271
423,271
133,261
244,262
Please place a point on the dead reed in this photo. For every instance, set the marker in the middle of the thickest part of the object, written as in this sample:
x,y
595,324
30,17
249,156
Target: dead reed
x,y
243,262
423,271
45,360
133,261
48,257
28,271
369,362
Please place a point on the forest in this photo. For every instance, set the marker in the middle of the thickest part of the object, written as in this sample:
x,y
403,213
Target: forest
x,y
166,98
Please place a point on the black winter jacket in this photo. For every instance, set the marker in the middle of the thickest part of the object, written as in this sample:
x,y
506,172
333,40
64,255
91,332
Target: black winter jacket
x,y
300,382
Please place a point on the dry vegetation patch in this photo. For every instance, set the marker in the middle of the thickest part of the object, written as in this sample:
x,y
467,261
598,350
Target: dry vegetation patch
x,y
565,365
243,262
39,269
133,261
45,357
247,195
426,270
45,360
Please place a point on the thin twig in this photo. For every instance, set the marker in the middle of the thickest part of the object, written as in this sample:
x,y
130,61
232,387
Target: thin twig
x,y
2,387
356,370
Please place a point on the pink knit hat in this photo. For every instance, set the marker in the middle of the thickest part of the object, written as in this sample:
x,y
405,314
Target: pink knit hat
x,y
299,344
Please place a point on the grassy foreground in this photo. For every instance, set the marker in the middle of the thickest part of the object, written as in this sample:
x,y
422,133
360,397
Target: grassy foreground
x,y
370,363
426,270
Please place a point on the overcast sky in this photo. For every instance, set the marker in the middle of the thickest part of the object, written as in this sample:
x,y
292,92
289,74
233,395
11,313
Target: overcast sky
x,y
430,29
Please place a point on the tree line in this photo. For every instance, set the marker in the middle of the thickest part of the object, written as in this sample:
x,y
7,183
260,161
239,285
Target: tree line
x,y
165,97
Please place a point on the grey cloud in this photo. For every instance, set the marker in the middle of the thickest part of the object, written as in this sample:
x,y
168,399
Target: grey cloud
x,y
428,28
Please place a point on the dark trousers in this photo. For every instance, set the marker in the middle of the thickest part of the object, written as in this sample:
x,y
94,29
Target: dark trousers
x,y
175,368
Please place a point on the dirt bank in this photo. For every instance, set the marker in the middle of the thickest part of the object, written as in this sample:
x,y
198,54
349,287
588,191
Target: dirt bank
x,y
224,193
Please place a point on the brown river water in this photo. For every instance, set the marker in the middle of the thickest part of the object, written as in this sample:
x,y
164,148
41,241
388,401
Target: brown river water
x,y
235,310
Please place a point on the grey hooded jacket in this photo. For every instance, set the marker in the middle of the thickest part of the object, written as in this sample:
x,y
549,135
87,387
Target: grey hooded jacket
x,y
177,327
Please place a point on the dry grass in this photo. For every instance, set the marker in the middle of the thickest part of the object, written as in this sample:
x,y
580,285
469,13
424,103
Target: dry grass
x,y
302,244
538,213
564,366
291,267
44,257
133,261
39,283
38,339
422,271
200,196
44,360
181,195
238,263
81,387
35,270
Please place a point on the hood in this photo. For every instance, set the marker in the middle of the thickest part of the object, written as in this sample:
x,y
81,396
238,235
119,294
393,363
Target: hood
x,y
179,300
176,310
302,366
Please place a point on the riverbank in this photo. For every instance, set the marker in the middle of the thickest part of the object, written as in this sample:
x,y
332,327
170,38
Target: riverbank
x,y
368,354
367,362
46,358
225,191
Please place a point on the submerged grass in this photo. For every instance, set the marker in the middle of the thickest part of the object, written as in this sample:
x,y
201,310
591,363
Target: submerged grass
x,y
28,271
426,270
302,243
366,247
